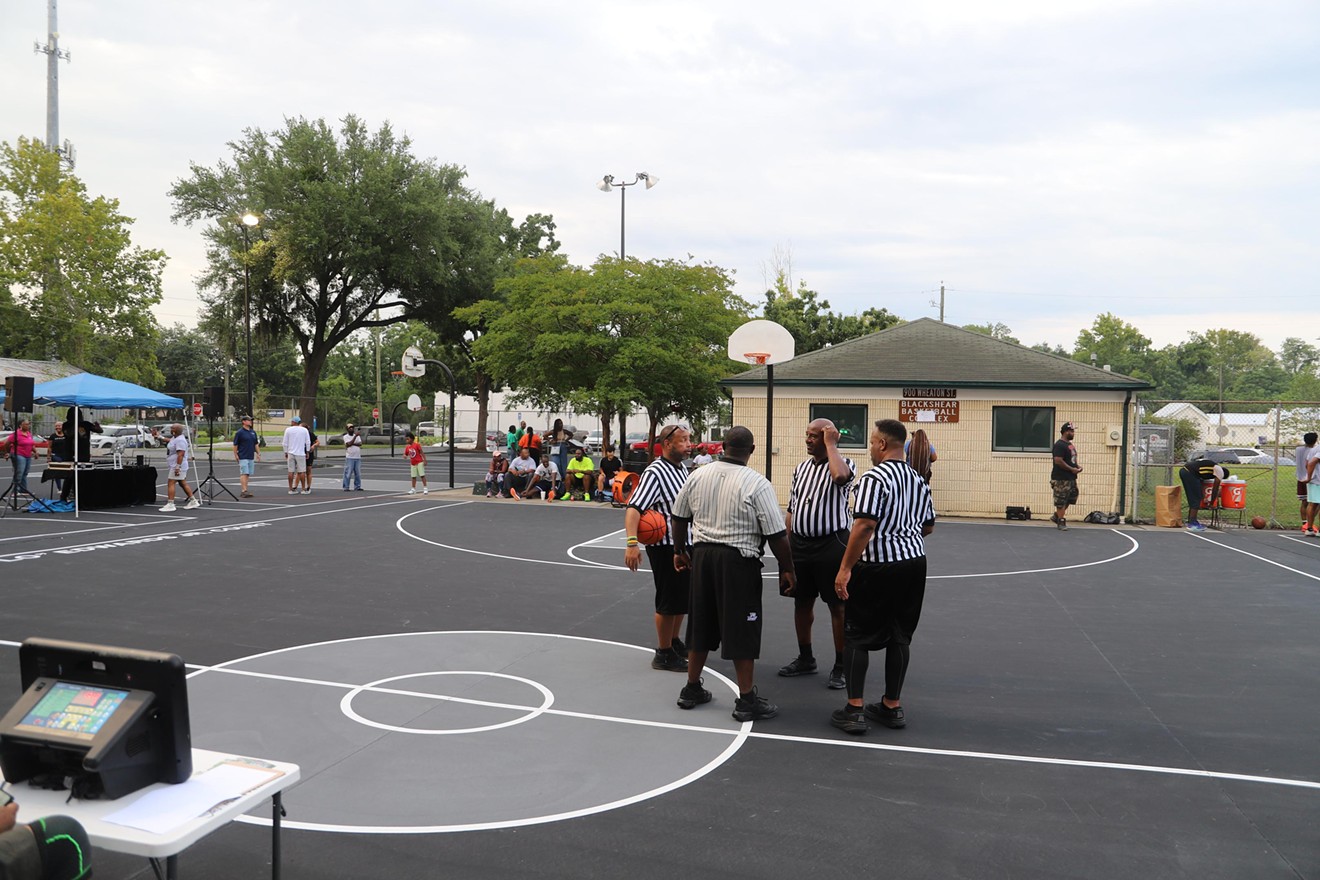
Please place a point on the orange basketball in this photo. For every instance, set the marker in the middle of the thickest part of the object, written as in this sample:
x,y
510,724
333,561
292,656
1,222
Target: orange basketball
x,y
652,527
1258,522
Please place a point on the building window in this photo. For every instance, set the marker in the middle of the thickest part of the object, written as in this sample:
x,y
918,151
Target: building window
x,y
849,418
1023,429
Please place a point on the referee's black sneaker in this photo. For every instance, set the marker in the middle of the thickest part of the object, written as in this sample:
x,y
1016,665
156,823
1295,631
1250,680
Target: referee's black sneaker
x,y
837,680
679,648
891,718
800,666
693,694
754,707
850,719
668,661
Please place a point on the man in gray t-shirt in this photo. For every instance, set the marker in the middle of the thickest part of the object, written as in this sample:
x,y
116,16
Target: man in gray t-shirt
x,y
352,457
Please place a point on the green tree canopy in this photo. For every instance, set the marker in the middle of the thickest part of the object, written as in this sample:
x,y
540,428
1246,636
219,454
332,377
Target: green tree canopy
x,y
809,319
996,330
652,333
1117,343
355,232
72,283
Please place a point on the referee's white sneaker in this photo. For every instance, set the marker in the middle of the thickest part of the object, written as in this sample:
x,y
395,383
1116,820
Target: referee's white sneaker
x,y
169,507
192,504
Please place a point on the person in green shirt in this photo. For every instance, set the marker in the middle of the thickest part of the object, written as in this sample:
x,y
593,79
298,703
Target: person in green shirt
x,y
581,475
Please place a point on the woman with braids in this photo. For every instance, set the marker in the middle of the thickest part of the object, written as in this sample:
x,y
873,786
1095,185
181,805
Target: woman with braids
x,y
920,454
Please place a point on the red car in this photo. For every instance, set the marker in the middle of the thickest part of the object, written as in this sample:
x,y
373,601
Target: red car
x,y
715,448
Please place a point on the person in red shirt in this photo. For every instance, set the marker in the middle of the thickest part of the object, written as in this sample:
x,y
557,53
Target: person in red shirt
x,y
417,464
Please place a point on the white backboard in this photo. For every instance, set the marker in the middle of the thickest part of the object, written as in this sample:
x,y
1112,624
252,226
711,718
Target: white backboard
x,y
414,403
761,342
410,366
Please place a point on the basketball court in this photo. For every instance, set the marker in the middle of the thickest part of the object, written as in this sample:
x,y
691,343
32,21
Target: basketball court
x,y
466,685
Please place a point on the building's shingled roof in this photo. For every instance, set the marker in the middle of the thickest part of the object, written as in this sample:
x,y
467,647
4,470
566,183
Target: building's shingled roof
x,y
40,371
927,352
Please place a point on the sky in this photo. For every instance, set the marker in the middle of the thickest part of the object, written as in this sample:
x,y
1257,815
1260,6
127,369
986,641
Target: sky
x,y
1045,160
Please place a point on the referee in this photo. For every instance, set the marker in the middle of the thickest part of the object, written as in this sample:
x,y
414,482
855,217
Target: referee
x,y
882,577
817,523
733,512
656,490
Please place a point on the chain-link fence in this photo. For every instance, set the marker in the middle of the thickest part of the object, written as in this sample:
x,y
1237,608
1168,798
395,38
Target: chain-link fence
x,y
1256,441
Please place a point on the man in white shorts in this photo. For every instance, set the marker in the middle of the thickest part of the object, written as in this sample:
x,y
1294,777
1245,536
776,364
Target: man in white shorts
x,y
176,457
295,443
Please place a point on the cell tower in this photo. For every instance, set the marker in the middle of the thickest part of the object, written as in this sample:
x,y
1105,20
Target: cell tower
x,y
53,55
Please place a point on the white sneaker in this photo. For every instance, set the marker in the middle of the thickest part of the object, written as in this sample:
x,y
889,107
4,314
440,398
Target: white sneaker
x,y
192,504
307,491
412,491
169,507
293,491
426,491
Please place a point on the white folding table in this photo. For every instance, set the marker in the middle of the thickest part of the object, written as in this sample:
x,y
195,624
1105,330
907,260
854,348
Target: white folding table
x,y
35,803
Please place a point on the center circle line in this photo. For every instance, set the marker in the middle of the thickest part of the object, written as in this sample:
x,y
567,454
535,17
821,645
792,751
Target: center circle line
x,y
346,704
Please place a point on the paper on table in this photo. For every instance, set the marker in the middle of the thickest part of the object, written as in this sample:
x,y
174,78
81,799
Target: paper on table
x,y
168,808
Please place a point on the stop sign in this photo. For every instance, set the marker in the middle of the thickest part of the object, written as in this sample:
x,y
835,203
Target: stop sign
x,y
197,409
375,414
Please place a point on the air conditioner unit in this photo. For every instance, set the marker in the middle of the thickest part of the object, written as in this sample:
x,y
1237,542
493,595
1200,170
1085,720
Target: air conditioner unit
x,y
1113,436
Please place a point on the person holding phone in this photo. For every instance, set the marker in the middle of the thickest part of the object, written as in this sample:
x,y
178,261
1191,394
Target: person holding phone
x,y
51,848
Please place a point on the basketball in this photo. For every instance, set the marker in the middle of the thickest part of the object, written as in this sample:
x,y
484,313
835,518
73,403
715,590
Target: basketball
x,y
652,528
1258,522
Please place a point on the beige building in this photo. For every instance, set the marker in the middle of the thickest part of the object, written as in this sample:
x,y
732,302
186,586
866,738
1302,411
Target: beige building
x,y
992,409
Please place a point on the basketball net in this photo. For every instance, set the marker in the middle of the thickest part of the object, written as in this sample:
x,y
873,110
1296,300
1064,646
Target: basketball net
x,y
756,357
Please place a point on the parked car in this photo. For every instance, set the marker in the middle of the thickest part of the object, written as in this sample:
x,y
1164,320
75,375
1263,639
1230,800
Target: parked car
x,y
593,442
426,429
124,436
1218,456
1249,455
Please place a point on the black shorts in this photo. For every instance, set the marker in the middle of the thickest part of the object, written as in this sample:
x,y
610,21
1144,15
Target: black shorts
x,y
816,561
1193,488
726,602
672,588
884,603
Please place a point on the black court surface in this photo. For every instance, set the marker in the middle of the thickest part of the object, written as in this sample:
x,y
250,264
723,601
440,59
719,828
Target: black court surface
x,y
466,685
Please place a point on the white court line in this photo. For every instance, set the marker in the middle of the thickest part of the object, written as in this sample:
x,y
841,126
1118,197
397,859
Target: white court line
x,y
1310,542
743,730
263,520
399,525
1254,556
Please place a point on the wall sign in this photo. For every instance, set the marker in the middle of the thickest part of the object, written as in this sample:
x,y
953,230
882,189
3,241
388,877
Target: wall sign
x,y
931,410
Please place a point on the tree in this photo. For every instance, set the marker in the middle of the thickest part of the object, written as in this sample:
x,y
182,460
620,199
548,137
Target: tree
x,y
188,359
72,284
1117,343
995,330
356,232
622,332
809,319
1298,356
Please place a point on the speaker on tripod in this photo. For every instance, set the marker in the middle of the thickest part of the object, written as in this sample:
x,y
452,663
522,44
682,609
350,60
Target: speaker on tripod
x,y
213,397
18,394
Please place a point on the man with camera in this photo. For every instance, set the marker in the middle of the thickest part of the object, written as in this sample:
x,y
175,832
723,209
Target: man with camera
x,y
352,457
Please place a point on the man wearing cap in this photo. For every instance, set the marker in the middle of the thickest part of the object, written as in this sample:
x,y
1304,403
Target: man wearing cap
x,y
1063,476
499,467
295,443
246,454
352,457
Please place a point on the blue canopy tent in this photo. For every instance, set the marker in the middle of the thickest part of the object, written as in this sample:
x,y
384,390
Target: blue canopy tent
x,y
89,390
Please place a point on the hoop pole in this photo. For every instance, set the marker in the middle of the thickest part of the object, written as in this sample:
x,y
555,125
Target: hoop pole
x,y
769,416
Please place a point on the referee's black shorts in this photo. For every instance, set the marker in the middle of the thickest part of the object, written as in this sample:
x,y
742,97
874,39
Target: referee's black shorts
x,y
726,602
884,603
672,588
816,561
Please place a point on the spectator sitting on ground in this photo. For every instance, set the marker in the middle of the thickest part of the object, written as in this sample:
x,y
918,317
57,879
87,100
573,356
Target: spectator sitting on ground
x,y
610,465
580,476
547,479
522,475
499,467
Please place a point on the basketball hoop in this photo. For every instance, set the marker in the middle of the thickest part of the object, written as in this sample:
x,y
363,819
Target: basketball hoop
x,y
757,357
397,373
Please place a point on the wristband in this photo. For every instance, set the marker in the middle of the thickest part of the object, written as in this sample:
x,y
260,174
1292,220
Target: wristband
x,y
632,542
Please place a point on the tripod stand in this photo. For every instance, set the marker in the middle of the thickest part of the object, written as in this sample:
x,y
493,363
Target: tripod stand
x,y
12,494
210,469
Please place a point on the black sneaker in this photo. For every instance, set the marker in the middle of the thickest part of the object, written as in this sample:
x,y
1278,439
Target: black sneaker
x,y
882,714
693,694
837,682
668,661
754,708
1062,524
850,719
679,648
799,666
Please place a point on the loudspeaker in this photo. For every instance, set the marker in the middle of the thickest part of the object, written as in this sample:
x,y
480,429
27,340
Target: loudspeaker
x,y
18,394
215,401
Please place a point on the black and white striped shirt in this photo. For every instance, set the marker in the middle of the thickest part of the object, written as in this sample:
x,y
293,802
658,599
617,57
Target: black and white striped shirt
x,y
657,489
898,499
818,506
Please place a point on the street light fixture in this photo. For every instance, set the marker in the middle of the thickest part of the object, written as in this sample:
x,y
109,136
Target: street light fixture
x,y
249,221
608,183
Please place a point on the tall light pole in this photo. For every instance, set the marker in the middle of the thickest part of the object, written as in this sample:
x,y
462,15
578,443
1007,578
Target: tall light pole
x,y
608,183
249,221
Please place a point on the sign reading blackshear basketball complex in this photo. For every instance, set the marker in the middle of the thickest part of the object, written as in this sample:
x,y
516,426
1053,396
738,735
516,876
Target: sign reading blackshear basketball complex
x,y
928,405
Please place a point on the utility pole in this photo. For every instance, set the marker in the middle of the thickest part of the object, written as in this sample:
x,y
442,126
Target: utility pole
x,y
941,302
54,54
